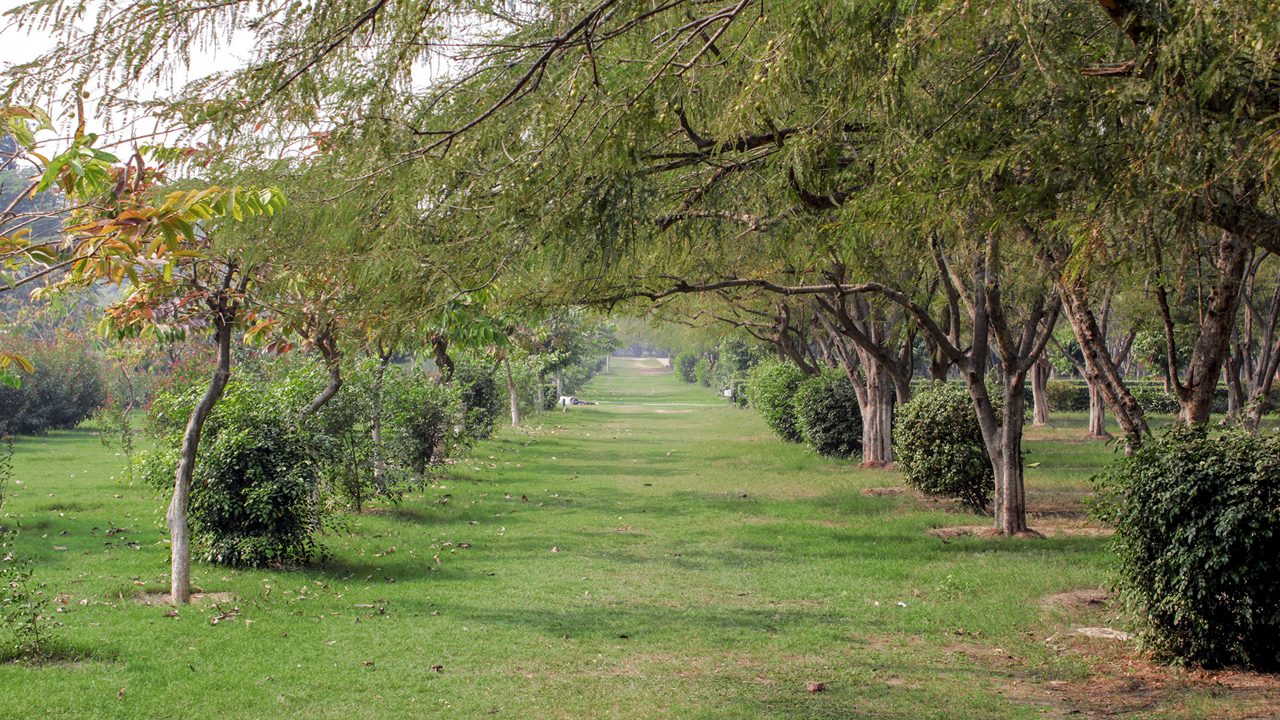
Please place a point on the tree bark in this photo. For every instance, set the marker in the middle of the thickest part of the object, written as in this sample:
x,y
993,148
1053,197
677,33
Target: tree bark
x,y
329,391
877,417
1097,415
179,529
512,393
1209,353
375,423
1040,391
440,349
1101,371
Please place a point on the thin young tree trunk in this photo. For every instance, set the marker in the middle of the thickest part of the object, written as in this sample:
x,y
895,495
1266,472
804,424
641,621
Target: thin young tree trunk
x,y
179,529
512,394
375,423
1040,391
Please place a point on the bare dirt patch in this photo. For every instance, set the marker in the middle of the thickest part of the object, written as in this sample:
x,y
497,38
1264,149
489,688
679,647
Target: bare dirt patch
x,y
885,491
1084,599
1040,531
199,598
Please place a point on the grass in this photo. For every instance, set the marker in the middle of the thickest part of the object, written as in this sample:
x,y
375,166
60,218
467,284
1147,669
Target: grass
x,y
672,560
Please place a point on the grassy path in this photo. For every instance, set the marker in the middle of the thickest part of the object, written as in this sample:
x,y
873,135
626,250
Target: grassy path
x,y
672,560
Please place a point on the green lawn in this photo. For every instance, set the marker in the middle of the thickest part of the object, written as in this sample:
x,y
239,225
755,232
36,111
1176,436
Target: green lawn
x,y
672,560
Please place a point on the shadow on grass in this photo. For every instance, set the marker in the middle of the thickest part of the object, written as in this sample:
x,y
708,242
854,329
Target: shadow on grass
x,y
56,652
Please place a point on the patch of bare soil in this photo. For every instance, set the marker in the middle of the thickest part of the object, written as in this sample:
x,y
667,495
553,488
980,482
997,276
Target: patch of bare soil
x,y
1040,531
199,598
1122,682
883,491
1085,599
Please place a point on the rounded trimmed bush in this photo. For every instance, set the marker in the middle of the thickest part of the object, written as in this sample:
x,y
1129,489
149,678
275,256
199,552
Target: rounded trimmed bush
x,y
66,388
939,447
1067,396
686,366
771,389
1198,534
827,415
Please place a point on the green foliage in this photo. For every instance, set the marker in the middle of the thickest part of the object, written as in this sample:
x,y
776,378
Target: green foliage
x,y
703,372
481,394
686,366
254,498
827,415
24,609
939,447
1198,534
23,603
1067,396
1153,398
65,388
422,427
771,387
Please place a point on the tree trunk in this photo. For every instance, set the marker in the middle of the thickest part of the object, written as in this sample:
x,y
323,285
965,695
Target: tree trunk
x,y
512,394
1010,493
877,416
1097,415
331,389
444,363
179,530
375,425
1040,391
1214,341
1100,369
560,385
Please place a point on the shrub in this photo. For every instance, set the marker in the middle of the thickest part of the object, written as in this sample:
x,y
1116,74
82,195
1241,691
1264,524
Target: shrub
x,y
254,494
771,388
686,364
420,422
1198,534
1067,396
483,398
1153,399
827,415
702,372
939,446
66,388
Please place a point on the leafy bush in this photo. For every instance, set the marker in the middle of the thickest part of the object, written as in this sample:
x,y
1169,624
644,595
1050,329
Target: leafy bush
x,y
1067,396
1153,399
66,388
254,494
939,446
483,397
702,372
1198,534
771,387
686,364
420,422
827,415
